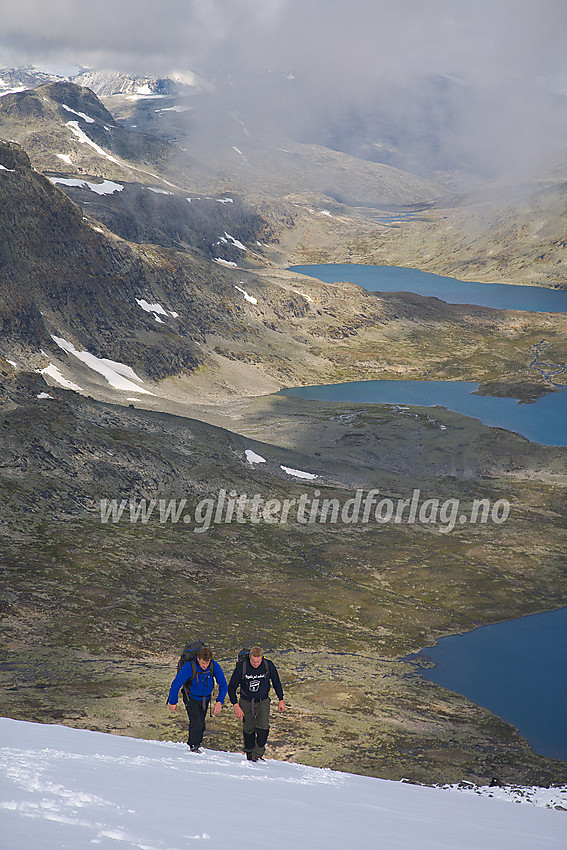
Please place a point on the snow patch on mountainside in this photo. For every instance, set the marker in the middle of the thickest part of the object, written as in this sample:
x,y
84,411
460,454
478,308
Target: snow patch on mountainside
x,y
107,187
298,473
155,309
222,262
62,787
252,457
303,295
249,298
82,115
235,242
13,91
55,374
84,140
118,375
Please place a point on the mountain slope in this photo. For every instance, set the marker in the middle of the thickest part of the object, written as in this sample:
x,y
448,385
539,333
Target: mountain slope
x,y
118,597
69,788
63,124
165,312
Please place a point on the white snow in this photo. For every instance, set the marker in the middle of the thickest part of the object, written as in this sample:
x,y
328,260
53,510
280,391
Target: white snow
x,y
252,457
55,374
159,191
297,473
107,187
177,108
527,795
82,115
72,788
235,242
12,363
151,308
144,96
65,157
84,140
224,200
118,375
222,262
247,297
307,297
145,89
3,168
44,395
13,91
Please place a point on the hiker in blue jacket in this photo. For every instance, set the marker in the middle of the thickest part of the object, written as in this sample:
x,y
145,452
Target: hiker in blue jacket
x,y
196,679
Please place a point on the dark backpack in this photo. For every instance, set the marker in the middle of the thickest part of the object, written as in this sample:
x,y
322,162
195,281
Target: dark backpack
x,y
190,654
243,657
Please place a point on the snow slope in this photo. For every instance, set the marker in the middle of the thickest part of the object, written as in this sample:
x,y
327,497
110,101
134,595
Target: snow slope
x,y
68,788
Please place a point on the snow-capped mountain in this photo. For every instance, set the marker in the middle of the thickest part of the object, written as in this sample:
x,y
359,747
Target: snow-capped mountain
x,y
106,83
69,788
19,79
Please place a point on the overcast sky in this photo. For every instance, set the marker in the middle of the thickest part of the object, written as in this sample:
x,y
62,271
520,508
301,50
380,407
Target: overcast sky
x,y
342,54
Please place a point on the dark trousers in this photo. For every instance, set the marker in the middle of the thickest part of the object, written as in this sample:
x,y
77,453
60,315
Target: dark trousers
x,y
255,725
197,714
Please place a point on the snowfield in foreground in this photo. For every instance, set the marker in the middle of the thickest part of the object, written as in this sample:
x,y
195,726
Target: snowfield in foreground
x,y
69,788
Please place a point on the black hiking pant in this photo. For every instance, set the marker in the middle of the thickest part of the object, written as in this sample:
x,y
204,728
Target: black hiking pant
x,y
197,714
255,725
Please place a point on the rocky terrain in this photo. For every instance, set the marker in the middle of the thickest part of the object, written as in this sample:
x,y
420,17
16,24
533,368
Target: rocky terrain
x,y
93,612
189,303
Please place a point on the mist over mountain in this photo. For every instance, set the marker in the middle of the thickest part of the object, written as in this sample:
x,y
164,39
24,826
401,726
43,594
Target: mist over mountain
x,y
473,87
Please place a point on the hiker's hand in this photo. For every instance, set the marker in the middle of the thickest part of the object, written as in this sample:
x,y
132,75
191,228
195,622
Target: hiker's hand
x,y
173,708
238,713
281,705
218,707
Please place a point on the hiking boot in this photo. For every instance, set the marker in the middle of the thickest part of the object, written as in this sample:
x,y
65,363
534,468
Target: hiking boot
x,y
250,757
195,749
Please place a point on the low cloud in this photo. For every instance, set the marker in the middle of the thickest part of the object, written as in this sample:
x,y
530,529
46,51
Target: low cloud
x,y
472,85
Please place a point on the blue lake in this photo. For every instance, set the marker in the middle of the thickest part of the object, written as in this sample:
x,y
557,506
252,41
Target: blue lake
x,y
543,421
397,279
516,669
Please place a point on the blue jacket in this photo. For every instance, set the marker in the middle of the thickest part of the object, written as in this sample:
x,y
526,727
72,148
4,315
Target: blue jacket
x,y
201,686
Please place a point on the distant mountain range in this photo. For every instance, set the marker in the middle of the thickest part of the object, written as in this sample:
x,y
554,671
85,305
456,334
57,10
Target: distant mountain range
x,y
101,82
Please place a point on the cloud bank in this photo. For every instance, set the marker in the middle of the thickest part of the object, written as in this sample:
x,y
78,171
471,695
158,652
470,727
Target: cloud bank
x,y
473,79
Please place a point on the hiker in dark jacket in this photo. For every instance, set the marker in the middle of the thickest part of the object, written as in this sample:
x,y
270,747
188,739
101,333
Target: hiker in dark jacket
x,y
253,675
197,693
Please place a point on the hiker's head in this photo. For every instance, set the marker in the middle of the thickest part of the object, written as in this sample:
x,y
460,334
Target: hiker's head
x,y
256,655
204,657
